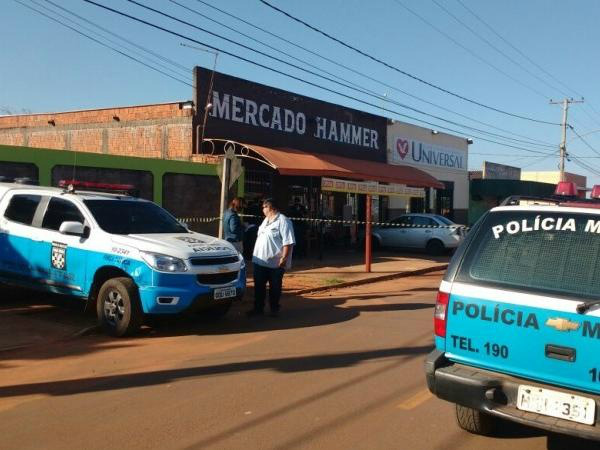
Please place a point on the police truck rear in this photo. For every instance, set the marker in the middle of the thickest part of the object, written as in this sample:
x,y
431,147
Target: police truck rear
x,y
517,320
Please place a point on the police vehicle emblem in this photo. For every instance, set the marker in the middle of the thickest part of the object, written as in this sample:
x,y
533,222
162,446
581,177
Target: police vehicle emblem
x,y
59,256
562,324
190,240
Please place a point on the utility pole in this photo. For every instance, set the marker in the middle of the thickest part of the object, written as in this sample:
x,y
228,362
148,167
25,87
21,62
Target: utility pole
x,y
563,144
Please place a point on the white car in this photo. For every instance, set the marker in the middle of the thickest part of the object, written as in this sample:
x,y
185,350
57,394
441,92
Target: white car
x,y
126,256
430,232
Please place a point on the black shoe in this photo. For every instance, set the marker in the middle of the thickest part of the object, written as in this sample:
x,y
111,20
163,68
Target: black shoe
x,y
274,314
254,313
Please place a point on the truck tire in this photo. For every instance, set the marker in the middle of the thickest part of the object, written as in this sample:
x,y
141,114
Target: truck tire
x,y
118,307
474,421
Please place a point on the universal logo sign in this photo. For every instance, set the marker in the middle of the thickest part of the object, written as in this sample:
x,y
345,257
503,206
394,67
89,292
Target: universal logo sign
x,y
421,153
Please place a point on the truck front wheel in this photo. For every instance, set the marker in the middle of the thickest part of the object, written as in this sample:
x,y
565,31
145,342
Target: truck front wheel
x,y
118,307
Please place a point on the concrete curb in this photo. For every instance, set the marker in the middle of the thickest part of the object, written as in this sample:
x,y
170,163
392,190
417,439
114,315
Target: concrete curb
x,y
375,279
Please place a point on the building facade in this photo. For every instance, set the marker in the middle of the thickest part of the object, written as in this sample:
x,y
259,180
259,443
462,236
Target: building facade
x,y
442,156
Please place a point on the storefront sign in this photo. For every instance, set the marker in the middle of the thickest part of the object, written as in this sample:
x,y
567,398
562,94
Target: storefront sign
x,y
493,171
408,151
253,113
370,187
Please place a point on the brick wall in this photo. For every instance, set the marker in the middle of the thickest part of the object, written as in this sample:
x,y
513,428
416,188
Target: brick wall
x,y
152,131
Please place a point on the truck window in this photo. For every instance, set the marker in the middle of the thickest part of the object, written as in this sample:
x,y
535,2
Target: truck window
x,y
542,252
59,211
22,208
133,217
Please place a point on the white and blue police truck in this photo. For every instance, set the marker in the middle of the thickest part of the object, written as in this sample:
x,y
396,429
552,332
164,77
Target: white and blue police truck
x,y
517,319
127,257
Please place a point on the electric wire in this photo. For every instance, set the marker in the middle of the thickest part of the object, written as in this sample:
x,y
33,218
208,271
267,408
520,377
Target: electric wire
x,y
147,50
104,37
359,89
362,74
468,50
310,83
539,160
587,144
490,44
102,43
531,61
585,165
414,77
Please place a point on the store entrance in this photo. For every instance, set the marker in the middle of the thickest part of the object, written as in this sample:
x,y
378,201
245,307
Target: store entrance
x,y
445,200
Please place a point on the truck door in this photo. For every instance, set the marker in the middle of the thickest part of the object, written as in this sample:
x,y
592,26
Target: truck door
x,y
16,234
60,258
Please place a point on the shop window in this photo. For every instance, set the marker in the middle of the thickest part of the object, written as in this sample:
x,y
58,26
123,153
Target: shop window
x,y
196,196
11,170
142,180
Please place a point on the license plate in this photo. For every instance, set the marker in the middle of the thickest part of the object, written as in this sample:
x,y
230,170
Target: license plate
x,y
222,293
556,404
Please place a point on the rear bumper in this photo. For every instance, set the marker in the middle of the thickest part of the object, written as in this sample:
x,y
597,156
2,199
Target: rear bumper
x,y
496,394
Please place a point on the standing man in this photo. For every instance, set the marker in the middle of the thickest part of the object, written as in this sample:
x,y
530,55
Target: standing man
x,y
272,255
233,231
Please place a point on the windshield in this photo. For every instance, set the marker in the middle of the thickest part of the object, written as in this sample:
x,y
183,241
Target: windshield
x,y
133,217
444,220
544,252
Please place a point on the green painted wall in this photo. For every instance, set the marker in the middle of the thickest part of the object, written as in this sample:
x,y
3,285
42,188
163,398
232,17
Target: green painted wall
x,y
46,159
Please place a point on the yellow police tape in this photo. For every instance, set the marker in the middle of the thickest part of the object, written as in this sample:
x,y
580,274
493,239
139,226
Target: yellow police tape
x,y
314,220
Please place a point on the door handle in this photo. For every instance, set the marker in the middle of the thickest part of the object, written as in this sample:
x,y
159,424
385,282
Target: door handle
x,y
560,352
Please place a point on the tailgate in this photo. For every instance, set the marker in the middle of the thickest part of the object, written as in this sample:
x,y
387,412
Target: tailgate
x,y
520,334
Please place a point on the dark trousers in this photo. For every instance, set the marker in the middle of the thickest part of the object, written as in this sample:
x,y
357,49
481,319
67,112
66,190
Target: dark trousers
x,y
262,275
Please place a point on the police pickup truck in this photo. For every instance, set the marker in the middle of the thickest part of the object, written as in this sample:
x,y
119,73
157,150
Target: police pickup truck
x,y
126,256
517,319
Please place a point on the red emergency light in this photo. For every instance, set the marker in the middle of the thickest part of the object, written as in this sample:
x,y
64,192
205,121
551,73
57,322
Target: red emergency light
x,y
93,186
566,188
595,192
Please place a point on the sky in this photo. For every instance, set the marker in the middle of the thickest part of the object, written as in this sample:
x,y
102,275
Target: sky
x,y
479,69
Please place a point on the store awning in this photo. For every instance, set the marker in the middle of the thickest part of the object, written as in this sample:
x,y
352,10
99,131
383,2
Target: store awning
x,y
296,162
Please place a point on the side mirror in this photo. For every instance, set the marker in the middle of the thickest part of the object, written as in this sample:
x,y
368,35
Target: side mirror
x,y
73,229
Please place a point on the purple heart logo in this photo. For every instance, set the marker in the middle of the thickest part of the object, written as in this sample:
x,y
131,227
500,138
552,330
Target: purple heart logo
x,y
402,147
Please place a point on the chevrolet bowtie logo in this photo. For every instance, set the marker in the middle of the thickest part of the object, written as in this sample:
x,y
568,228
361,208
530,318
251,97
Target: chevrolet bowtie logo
x,y
562,324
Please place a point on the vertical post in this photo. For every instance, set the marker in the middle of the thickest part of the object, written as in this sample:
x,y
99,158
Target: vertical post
x,y
368,235
563,143
224,190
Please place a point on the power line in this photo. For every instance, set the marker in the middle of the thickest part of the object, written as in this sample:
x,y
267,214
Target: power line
x,y
468,50
178,74
490,44
381,107
102,43
350,69
531,61
584,141
359,89
414,77
585,166
147,50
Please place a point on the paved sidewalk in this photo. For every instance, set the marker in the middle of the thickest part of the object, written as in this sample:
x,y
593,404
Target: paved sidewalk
x,y
347,268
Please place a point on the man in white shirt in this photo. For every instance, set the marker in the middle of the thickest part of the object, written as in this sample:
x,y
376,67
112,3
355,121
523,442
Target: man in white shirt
x,y
272,255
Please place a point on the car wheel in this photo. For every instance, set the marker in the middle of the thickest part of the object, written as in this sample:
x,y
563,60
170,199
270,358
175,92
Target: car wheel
x,y
118,307
475,421
435,247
